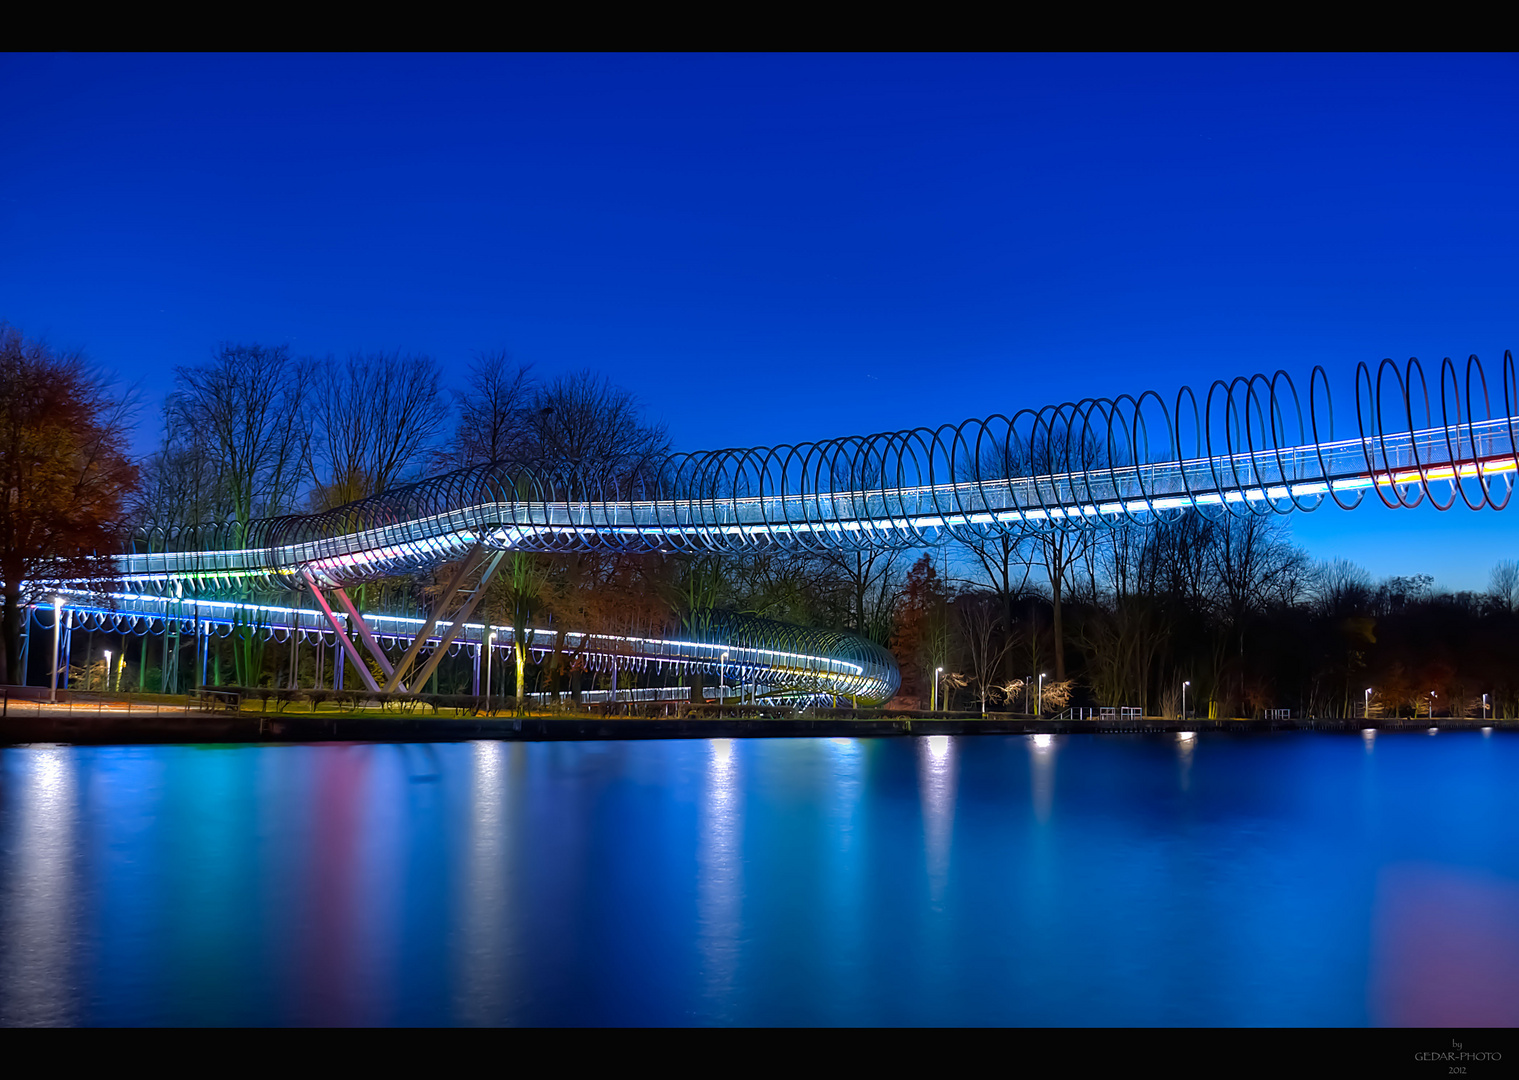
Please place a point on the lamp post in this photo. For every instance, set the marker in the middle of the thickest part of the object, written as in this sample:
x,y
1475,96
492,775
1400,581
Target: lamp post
x,y
722,669
1484,708
108,671
57,625
1432,696
935,706
1184,699
1039,706
1367,711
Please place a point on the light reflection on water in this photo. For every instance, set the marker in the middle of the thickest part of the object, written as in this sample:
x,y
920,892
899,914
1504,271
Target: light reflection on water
x,y
484,945
936,787
1042,775
1289,879
720,878
36,963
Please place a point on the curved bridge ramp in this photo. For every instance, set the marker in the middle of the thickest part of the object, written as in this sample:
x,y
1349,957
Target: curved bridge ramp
x,y
738,656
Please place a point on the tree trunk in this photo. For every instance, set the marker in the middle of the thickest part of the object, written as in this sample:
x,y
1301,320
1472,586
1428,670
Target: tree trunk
x,y
10,655
520,648
556,659
1055,583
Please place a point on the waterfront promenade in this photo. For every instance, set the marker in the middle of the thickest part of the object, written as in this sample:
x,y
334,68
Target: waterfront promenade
x,y
168,719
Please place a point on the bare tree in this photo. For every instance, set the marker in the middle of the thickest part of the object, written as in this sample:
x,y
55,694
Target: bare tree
x,y
987,641
376,420
1182,559
1007,559
1057,695
587,420
494,411
236,437
245,409
181,487
1004,551
1341,588
1254,566
1503,587
1052,452
1126,629
871,587
1061,553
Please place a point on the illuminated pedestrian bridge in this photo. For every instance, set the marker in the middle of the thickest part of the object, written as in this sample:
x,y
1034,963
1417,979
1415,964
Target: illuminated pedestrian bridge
x,y
1253,446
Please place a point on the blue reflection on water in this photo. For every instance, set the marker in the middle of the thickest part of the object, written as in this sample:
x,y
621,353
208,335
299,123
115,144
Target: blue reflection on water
x,y
1063,880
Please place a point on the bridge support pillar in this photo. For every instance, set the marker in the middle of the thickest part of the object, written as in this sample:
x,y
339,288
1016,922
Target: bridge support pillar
x,y
343,639
471,562
456,625
367,636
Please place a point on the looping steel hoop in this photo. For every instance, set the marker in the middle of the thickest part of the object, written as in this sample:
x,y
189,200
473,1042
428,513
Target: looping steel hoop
x,y
1250,446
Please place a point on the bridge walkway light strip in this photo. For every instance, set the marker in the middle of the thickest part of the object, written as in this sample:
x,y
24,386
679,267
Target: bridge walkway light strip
x,y
788,671
362,555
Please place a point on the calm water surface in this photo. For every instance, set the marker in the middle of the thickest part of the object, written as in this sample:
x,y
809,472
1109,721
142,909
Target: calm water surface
x,y
1109,880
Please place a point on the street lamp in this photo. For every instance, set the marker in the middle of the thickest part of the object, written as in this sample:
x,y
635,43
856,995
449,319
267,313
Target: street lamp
x,y
1039,706
1184,700
1484,708
934,707
1367,712
1432,696
721,671
57,623
108,671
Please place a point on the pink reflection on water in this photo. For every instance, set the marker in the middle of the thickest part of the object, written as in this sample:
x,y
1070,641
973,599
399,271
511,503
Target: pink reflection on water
x,y
1444,949
329,957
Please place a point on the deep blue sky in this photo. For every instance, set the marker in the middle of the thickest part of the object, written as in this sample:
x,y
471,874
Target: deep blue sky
x,y
772,249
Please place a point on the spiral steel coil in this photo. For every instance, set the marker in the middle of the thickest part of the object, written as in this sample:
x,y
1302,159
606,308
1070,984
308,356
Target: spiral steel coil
x,y
1253,445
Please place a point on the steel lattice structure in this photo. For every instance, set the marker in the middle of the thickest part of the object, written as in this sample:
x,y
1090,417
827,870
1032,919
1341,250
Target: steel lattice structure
x,y
1253,445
